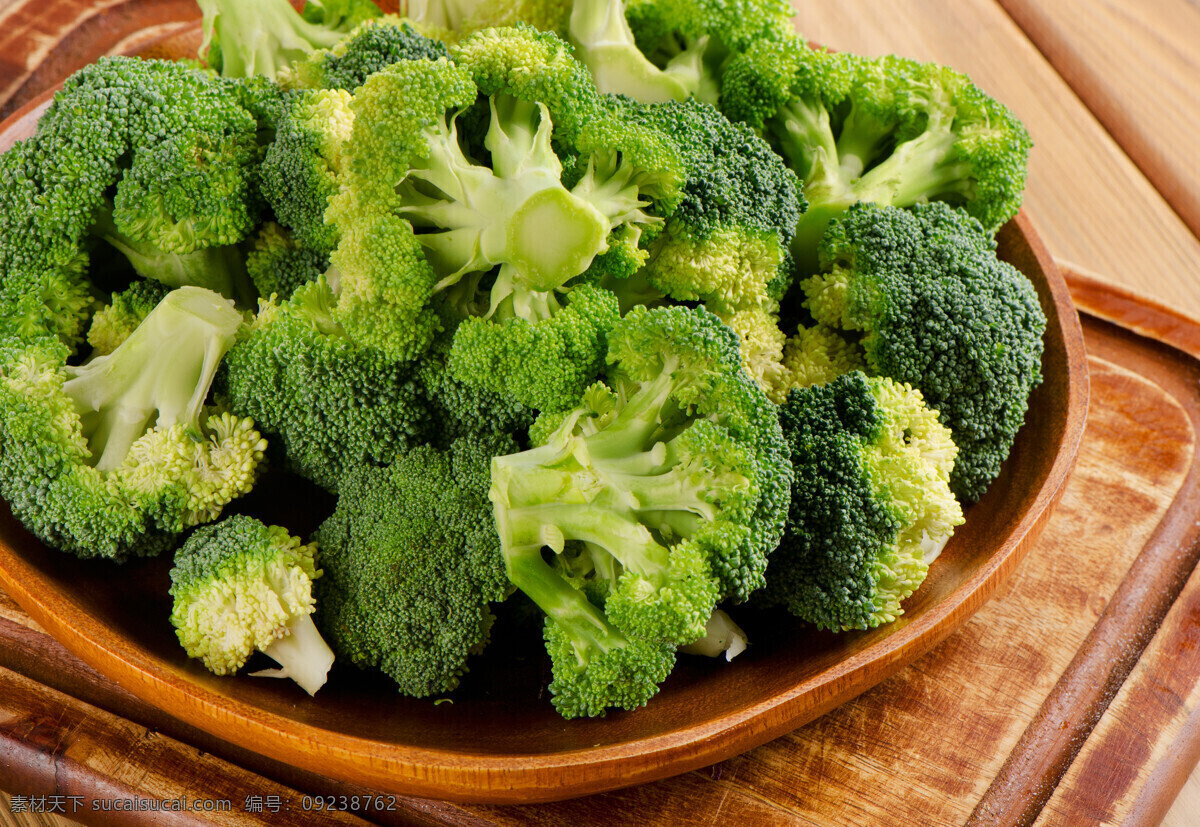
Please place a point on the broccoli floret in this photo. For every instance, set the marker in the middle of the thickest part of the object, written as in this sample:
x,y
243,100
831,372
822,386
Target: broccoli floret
x,y
870,505
120,455
278,264
302,165
243,38
128,308
935,308
886,130
662,50
241,586
430,233
412,563
172,185
816,355
674,479
367,49
327,401
340,15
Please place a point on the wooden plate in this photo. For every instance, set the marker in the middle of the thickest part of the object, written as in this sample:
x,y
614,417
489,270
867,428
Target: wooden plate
x,y
500,740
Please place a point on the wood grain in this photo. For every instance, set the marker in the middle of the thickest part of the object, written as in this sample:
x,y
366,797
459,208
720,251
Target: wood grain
x,y
1090,202
1135,64
108,769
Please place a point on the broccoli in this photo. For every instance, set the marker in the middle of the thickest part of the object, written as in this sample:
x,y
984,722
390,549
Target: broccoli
x,y
243,38
300,171
668,484
278,264
170,185
870,504
120,455
451,20
127,309
241,586
377,43
661,50
934,307
886,130
430,237
331,403
412,562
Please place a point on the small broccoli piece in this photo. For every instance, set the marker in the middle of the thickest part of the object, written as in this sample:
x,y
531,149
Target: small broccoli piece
x,y
870,504
934,307
120,455
243,38
241,586
412,563
662,50
885,130
364,51
327,401
277,264
672,476
300,173
120,317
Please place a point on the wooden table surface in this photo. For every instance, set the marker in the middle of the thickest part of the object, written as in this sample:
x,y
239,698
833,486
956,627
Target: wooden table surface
x,y
1110,91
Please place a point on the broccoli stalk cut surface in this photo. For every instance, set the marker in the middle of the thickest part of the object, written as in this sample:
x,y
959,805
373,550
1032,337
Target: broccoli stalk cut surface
x,y
871,504
241,586
660,494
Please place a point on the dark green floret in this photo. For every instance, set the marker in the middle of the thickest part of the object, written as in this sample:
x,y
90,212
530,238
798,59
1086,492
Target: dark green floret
x,y
367,49
870,503
935,308
412,564
241,586
278,264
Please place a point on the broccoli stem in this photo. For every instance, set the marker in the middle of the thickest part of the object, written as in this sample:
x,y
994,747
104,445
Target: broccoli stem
x,y
606,44
302,655
921,169
159,376
220,269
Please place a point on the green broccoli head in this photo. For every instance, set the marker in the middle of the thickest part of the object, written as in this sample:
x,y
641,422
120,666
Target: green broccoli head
x,y
885,130
328,402
663,50
299,174
935,308
452,20
668,482
412,563
120,455
870,503
376,43
449,197
240,586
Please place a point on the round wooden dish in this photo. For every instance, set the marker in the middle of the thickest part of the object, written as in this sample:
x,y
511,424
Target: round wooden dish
x,y
500,740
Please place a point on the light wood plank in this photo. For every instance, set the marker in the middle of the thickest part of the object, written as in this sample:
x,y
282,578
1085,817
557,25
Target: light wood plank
x,y
1136,64
1090,202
